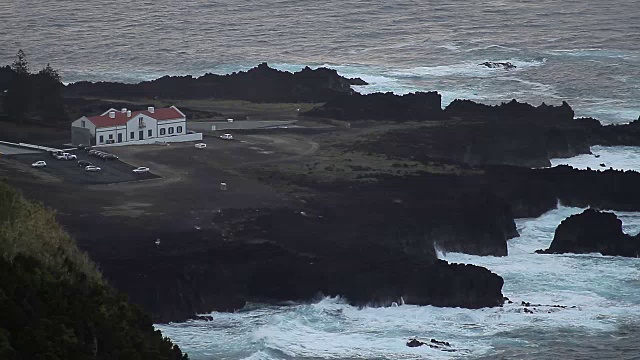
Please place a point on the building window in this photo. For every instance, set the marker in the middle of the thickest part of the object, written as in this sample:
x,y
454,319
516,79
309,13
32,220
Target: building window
x,y
150,133
162,131
84,124
110,136
133,136
179,129
171,130
140,122
101,139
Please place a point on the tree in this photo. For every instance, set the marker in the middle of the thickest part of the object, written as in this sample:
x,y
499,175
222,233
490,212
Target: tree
x,y
50,72
20,65
47,93
18,96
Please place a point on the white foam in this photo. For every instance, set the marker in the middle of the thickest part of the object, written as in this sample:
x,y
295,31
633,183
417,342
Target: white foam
x,y
596,52
467,69
620,113
616,157
599,292
493,47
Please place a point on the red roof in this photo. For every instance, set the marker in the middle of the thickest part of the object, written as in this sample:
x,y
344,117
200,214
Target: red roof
x,y
121,118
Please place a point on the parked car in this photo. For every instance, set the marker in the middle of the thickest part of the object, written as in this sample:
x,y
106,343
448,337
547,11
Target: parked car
x,y
141,170
201,145
92,168
39,164
226,137
66,156
84,163
56,153
109,156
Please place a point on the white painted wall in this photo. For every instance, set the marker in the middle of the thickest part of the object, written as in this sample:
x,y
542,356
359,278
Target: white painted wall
x,y
178,138
110,133
133,126
87,125
166,125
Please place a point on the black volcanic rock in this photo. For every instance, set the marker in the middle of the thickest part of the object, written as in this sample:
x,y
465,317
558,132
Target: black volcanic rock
x,y
357,82
382,106
372,245
475,134
175,286
593,231
612,135
260,84
511,111
496,64
532,192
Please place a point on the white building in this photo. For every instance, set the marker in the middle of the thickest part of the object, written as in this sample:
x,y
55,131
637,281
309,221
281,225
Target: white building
x,y
125,126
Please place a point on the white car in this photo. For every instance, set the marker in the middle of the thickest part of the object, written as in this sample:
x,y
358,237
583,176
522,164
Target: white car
x,y
201,145
39,164
92,168
141,170
226,137
66,156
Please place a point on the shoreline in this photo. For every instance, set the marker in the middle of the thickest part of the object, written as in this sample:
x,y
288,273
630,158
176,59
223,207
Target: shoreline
x,y
393,179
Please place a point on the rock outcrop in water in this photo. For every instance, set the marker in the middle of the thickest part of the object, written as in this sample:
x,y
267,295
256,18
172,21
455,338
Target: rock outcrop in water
x,y
593,231
261,84
499,65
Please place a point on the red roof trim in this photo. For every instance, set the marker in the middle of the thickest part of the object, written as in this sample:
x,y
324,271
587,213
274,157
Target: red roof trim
x,y
121,118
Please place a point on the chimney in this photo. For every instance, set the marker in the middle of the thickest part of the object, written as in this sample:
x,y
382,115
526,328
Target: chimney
x,y
112,114
151,109
128,113
124,110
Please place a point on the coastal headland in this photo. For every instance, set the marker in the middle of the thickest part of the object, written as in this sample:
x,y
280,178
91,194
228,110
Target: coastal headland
x,y
353,197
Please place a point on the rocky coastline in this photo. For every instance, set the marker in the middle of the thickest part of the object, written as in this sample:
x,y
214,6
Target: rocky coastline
x,y
593,231
370,238
261,83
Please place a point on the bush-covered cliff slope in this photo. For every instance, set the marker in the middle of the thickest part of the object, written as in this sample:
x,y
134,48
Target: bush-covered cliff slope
x,y
54,303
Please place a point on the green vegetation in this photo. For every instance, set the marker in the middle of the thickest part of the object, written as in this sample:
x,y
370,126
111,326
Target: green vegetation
x,y
33,95
53,301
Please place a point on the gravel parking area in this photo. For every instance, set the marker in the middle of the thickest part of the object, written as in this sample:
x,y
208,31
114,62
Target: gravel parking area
x,y
113,171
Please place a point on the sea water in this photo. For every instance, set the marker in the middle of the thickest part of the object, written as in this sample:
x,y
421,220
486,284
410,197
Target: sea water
x,y
601,295
583,51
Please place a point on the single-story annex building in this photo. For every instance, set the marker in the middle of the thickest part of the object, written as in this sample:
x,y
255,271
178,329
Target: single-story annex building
x,y
125,126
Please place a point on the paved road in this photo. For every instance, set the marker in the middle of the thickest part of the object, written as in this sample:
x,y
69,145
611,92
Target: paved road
x,y
12,150
239,124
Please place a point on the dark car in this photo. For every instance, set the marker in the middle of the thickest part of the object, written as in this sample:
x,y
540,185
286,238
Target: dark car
x,y
84,163
56,153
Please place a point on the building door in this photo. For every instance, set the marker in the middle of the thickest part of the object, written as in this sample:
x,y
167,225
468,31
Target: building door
x,y
120,137
141,134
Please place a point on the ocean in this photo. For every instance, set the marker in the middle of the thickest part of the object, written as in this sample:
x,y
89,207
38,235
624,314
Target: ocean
x,y
585,52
